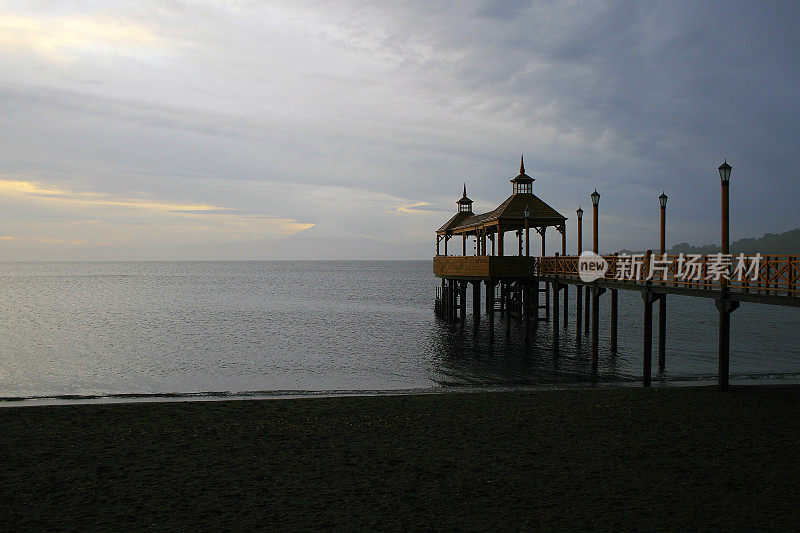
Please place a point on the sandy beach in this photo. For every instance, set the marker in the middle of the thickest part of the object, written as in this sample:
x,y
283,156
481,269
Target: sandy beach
x,y
632,458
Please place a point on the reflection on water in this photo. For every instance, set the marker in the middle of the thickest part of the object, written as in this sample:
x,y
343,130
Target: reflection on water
x,y
763,343
194,327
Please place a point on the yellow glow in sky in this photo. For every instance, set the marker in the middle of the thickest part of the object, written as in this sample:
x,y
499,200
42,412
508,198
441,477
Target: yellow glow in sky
x,y
62,38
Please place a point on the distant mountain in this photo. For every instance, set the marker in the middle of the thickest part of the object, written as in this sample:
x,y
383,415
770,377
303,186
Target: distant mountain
x,y
787,243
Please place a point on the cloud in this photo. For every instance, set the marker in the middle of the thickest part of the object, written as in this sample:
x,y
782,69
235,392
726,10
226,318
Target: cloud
x,y
65,38
94,199
229,120
44,240
421,207
127,220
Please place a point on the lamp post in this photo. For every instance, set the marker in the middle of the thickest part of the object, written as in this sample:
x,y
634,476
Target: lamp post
x,y
725,177
662,200
579,289
724,305
595,203
595,292
662,304
527,214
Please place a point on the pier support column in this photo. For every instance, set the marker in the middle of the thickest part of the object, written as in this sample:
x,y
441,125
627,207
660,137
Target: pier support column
x,y
647,346
578,311
476,305
453,300
662,333
526,311
725,308
446,300
534,307
490,307
502,298
614,305
507,303
556,312
566,305
586,310
596,292
462,304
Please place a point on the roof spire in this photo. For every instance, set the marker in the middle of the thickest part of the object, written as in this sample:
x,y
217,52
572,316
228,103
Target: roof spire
x,y
465,190
521,164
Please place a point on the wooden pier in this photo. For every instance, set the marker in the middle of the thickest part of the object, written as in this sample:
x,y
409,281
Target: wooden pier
x,y
516,284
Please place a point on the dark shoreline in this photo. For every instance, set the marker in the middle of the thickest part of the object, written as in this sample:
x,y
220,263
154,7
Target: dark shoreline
x,y
758,380
630,458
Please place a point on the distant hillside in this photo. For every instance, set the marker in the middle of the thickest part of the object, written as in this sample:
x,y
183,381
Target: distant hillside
x,y
787,243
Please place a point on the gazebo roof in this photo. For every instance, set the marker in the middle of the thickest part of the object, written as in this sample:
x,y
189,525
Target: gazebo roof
x,y
511,212
455,221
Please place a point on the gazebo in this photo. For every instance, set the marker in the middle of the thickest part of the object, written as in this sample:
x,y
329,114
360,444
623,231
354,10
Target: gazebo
x,y
520,212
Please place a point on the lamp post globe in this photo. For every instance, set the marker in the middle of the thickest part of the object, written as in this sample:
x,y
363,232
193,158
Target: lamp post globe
x,y
724,172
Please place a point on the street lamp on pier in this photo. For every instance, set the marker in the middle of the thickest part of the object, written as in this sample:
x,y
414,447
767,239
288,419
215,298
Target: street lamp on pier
x,y
725,177
595,203
662,200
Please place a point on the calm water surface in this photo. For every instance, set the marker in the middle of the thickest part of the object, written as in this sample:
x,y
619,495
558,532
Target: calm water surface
x,y
102,328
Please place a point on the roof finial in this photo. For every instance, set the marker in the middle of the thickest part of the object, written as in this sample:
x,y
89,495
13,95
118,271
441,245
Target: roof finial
x,y
521,164
465,190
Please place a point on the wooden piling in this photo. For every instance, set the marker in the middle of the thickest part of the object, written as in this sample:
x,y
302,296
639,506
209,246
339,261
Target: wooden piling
x,y
507,296
476,305
490,307
462,301
453,301
725,308
578,311
566,305
556,313
647,345
445,300
662,332
596,292
586,310
526,311
614,319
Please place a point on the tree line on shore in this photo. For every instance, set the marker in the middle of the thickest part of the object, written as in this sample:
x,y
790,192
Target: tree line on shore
x,y
786,243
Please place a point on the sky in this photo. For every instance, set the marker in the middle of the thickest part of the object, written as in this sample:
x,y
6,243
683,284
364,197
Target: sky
x,y
183,130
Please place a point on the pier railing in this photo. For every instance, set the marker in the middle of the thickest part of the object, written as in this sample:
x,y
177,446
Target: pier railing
x,y
760,274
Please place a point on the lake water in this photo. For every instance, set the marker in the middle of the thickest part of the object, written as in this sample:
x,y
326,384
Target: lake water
x,y
289,327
